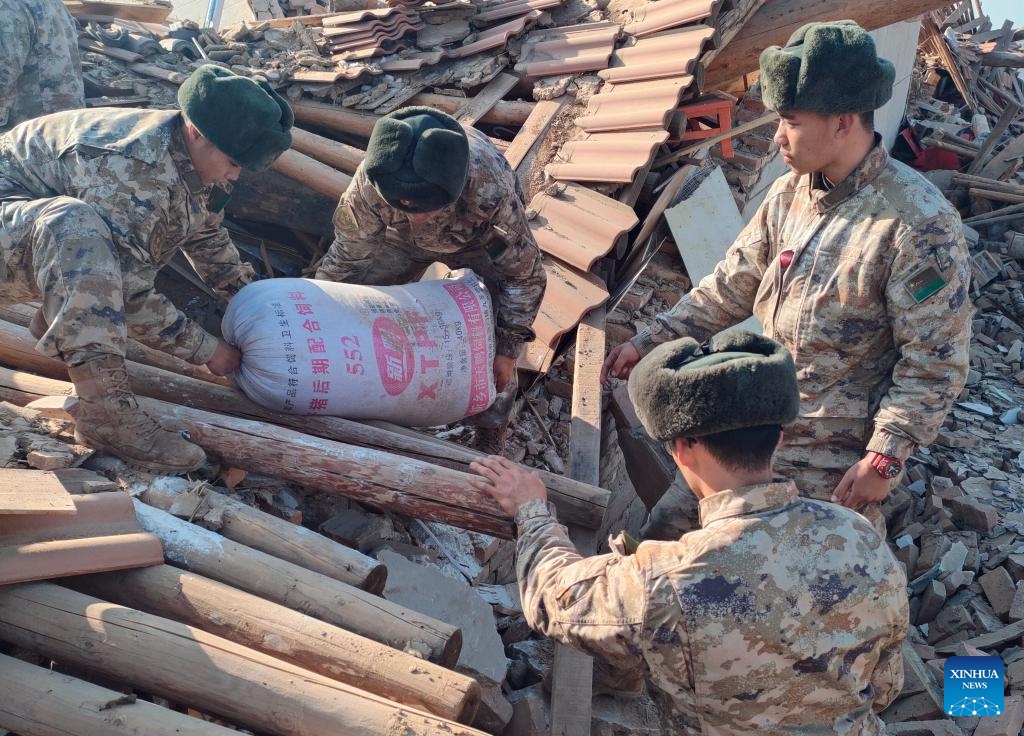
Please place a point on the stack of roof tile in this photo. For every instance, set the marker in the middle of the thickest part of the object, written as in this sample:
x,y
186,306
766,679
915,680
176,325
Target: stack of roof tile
x,y
580,48
367,33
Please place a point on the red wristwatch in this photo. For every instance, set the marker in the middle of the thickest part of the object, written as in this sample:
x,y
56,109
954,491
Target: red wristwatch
x,y
887,467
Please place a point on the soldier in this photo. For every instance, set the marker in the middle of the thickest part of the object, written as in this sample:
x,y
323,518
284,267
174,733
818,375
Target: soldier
x,y
40,71
432,190
855,263
781,615
93,203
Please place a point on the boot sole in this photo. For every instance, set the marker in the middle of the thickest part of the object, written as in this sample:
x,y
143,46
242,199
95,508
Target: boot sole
x,y
148,467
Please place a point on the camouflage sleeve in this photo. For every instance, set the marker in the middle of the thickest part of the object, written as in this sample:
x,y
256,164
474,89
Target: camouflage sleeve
x,y
595,604
154,321
215,258
723,298
15,46
521,278
930,314
358,232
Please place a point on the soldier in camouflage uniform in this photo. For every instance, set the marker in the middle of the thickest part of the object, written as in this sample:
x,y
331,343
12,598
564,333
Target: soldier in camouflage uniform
x,y
93,203
432,190
855,263
40,71
781,615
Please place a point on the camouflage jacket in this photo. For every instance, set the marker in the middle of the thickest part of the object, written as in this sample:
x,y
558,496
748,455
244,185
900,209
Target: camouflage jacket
x,y
780,615
40,71
873,306
485,230
134,169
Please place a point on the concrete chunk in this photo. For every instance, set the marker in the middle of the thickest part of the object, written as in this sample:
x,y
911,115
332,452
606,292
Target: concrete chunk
x,y
999,590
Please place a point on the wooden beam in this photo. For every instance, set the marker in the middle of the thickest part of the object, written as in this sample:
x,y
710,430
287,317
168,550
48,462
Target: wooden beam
x,y
470,112
508,113
315,175
1002,58
207,553
758,122
776,20
1002,161
334,117
340,156
572,670
289,635
185,664
949,61
259,530
533,130
41,702
576,502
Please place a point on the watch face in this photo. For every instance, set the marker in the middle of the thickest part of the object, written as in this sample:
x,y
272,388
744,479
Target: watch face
x,y
891,470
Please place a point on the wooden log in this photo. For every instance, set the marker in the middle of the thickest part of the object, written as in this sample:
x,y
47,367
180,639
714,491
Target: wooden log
x,y
21,315
576,502
996,196
315,175
291,636
337,155
1002,58
992,185
776,20
207,553
507,113
185,664
334,117
286,541
41,702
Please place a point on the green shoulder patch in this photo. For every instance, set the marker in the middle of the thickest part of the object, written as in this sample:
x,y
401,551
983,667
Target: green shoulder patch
x,y
924,283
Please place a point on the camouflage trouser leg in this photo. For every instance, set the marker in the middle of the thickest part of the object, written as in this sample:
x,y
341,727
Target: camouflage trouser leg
x,y
675,513
61,250
819,483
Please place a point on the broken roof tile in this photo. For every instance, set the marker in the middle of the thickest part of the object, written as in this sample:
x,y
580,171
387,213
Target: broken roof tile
x,y
660,16
577,224
606,157
571,50
102,535
492,38
508,8
634,105
664,55
357,16
569,295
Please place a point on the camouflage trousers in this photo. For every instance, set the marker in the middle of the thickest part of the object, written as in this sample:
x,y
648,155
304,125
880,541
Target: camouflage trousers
x,y
677,512
60,250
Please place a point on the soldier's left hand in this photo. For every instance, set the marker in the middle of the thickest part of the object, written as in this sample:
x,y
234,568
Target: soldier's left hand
x,y
226,359
509,484
861,485
503,368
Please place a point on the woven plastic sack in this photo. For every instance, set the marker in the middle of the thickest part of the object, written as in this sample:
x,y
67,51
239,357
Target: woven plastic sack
x,y
418,355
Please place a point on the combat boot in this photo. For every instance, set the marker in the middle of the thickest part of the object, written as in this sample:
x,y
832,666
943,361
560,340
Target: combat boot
x,y
109,418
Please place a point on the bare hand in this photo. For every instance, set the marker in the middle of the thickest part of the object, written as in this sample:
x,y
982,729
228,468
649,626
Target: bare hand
x,y
861,485
503,369
226,359
620,362
509,484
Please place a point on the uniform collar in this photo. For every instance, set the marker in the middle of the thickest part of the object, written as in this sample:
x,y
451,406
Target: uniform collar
x,y
183,161
866,172
747,500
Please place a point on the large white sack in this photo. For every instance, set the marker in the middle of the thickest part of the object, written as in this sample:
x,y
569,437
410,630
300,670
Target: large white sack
x,y
417,355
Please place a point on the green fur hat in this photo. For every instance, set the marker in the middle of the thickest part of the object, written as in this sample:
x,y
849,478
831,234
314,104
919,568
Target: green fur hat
x,y
827,68
244,118
419,155
682,389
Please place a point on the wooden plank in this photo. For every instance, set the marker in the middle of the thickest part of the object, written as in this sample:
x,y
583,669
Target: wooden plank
x,y
1002,58
572,670
33,492
533,130
485,99
187,665
38,700
1002,161
768,117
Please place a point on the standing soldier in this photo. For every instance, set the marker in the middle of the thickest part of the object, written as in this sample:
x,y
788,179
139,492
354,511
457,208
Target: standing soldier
x,y
40,71
854,262
93,203
432,190
781,615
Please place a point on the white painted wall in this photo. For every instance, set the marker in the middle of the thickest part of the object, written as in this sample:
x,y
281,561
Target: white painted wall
x,y
226,13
